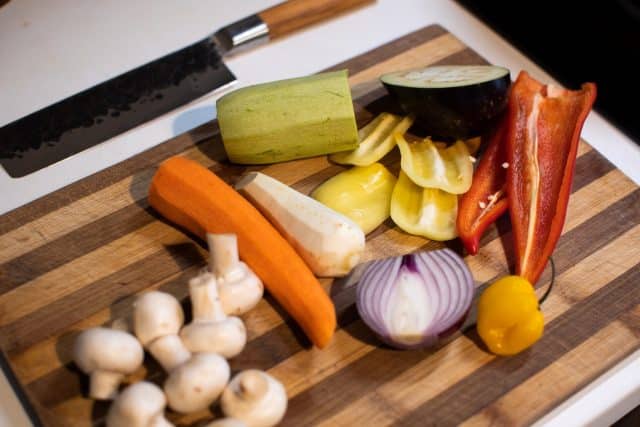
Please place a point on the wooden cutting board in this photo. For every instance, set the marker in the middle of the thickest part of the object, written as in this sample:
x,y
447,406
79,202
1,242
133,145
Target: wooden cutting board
x,y
78,257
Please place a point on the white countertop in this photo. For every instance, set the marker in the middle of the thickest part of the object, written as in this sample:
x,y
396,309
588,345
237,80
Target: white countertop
x,y
58,51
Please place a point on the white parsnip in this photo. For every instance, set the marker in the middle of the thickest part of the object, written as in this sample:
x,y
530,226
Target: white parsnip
x,y
330,243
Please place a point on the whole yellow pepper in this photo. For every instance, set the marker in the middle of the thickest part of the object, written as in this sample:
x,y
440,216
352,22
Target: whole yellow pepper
x,y
509,318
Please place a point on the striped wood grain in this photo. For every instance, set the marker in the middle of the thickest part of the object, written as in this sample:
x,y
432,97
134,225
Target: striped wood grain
x,y
78,257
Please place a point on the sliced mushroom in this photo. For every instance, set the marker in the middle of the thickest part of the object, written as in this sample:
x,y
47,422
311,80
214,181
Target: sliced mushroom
x,y
239,288
197,383
139,405
157,318
211,330
107,355
255,398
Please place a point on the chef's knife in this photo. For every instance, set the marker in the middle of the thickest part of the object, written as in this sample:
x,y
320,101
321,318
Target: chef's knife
x,y
140,95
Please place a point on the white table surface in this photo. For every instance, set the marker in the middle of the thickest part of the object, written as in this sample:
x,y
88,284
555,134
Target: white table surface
x,y
50,52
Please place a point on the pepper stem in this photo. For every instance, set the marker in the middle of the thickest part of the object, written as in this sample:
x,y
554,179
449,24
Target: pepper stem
x,y
553,279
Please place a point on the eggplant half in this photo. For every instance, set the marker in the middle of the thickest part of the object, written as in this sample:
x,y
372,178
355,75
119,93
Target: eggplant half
x,y
451,101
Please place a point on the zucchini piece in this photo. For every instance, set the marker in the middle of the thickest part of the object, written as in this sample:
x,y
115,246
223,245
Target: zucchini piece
x,y
375,143
449,169
427,212
288,119
452,101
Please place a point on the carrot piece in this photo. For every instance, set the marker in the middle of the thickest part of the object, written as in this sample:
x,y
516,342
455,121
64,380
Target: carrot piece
x,y
195,198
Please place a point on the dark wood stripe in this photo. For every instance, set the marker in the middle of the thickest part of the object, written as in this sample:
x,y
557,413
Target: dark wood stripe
x,y
389,50
103,179
563,334
381,365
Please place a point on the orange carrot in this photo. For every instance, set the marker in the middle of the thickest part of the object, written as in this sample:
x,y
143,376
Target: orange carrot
x,y
195,198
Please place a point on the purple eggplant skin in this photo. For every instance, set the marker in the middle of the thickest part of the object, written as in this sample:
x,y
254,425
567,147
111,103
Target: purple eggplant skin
x,y
454,112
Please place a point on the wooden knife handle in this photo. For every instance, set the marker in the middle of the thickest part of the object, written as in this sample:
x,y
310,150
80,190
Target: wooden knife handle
x,y
292,15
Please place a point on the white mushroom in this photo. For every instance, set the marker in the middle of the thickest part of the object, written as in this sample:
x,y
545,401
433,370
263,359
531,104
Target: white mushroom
x,y
256,398
107,355
211,330
239,288
197,383
139,405
157,318
226,422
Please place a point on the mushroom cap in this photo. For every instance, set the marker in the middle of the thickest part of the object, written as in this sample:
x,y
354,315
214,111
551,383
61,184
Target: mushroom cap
x,y
240,292
104,349
156,314
256,398
137,406
197,383
226,337
226,422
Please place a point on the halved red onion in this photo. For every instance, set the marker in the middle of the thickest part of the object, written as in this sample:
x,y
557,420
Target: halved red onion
x,y
412,301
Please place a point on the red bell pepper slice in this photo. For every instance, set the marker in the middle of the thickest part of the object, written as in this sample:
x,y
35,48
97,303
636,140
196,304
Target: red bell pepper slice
x,y
541,143
486,200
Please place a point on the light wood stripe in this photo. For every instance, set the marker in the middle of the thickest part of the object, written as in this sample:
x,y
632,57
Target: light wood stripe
x,y
562,378
434,50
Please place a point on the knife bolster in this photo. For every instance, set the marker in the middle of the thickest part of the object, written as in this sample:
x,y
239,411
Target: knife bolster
x,y
243,34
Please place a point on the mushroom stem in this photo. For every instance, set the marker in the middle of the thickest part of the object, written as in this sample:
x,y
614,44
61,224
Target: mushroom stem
x,y
205,302
169,351
223,254
104,384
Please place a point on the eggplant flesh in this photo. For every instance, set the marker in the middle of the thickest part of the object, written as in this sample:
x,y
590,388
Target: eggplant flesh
x,y
457,109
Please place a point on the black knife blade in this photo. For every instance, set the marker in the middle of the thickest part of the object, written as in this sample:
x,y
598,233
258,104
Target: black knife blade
x,y
111,108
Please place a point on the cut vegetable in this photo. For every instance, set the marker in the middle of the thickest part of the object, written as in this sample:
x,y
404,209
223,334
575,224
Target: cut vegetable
x,y
509,317
362,193
330,243
452,101
486,200
288,119
195,198
375,142
449,169
412,301
427,212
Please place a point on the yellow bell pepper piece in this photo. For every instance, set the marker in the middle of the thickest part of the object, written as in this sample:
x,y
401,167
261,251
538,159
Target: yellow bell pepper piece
x,y
449,169
362,193
376,140
509,318
427,212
